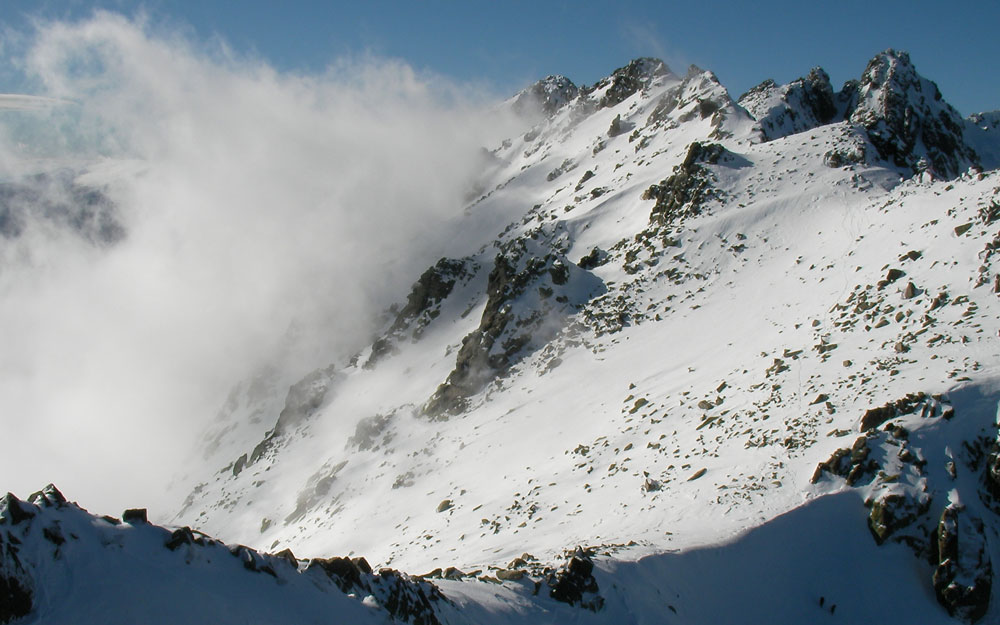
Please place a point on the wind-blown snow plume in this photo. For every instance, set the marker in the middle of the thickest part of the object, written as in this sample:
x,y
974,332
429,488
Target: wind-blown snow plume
x,y
254,213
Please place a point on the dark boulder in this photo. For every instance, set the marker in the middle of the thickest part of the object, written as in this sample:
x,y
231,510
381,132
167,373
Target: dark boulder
x,y
891,512
135,516
619,127
594,259
289,557
180,536
963,577
575,584
345,573
239,465
890,277
854,465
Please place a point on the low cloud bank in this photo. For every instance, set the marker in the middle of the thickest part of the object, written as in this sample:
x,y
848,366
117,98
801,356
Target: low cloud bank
x,y
265,215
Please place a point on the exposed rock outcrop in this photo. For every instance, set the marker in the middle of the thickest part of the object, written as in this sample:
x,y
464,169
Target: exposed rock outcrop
x,y
423,304
927,406
903,115
516,319
406,599
17,592
891,470
685,192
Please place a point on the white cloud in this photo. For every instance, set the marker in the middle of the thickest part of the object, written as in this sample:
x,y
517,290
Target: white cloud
x,y
251,200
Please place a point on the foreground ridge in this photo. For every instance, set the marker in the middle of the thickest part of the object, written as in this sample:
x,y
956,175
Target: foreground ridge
x,y
57,562
53,552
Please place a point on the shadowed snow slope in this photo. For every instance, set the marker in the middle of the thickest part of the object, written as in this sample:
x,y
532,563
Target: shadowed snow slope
x,y
799,567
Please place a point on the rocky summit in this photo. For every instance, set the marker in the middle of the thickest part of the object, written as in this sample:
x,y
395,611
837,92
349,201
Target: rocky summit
x,y
686,359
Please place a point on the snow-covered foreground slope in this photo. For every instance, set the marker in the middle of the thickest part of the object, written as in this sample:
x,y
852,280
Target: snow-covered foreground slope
x,y
63,565
71,567
744,354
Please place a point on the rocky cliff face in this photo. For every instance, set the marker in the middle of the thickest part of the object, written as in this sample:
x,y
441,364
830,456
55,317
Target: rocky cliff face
x,y
784,110
908,120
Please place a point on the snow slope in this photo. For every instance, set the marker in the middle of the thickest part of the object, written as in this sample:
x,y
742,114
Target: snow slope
x,y
703,339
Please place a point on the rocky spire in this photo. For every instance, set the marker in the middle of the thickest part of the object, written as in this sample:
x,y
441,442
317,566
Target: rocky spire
x,y
907,120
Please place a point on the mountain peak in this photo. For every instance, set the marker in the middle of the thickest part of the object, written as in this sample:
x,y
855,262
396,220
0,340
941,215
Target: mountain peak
x,y
781,110
987,120
903,114
645,66
549,94
625,81
907,119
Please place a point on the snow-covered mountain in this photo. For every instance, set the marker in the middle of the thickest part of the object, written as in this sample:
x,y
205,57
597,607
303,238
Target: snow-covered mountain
x,y
743,354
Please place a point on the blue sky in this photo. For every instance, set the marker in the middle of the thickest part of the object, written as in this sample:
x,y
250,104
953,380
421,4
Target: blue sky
x,y
505,45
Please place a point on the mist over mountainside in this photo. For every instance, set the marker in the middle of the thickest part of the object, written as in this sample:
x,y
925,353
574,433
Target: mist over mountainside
x,y
685,359
179,214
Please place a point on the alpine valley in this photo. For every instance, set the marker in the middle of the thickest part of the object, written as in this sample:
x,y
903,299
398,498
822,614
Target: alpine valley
x,y
686,359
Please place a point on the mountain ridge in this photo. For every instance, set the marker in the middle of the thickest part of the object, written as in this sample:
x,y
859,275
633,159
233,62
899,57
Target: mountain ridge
x,y
673,323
